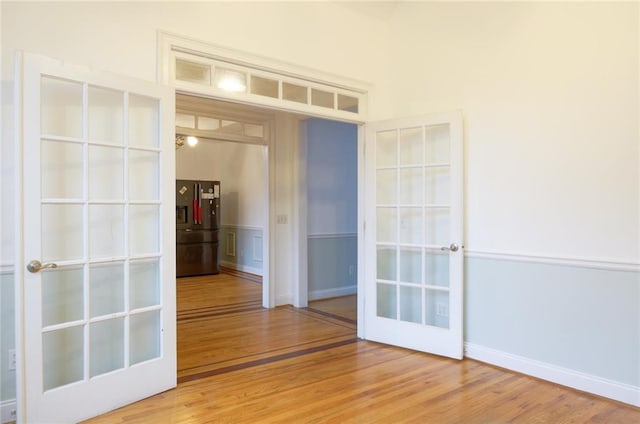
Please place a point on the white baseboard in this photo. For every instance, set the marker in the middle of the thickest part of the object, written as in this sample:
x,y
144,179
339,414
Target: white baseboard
x,y
7,410
335,292
567,377
243,268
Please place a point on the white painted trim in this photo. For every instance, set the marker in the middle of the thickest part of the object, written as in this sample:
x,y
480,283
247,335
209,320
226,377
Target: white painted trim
x,y
284,299
241,227
8,410
335,292
332,236
567,377
7,268
243,268
582,262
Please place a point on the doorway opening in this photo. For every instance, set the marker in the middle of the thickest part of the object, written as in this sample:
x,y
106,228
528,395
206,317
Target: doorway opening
x,y
315,198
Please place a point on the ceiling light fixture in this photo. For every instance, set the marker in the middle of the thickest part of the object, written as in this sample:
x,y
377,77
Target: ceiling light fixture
x,y
190,140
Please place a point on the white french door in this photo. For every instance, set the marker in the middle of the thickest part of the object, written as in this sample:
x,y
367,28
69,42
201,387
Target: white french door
x,y
98,286
413,239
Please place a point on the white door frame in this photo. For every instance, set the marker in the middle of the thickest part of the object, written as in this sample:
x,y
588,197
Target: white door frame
x,y
167,43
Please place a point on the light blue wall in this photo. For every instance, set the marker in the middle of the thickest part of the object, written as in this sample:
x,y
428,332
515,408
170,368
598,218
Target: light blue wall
x,y
583,319
332,202
332,263
7,336
247,255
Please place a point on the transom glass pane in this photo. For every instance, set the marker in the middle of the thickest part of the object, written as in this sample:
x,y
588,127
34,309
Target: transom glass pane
x,y
294,93
321,98
185,120
347,103
193,72
264,86
61,165
61,107
105,115
206,123
411,146
106,288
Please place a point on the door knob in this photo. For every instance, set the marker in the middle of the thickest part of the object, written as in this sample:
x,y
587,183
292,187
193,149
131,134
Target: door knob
x,y
452,248
35,266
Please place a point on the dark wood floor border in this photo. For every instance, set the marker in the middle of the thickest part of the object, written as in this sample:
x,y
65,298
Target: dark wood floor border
x,y
265,361
241,274
330,315
210,314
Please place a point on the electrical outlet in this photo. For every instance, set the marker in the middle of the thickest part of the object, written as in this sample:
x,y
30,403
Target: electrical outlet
x,y
12,359
13,414
442,309
351,269
281,219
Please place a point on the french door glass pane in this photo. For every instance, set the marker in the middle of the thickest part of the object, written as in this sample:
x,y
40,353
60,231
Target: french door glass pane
x,y
411,146
437,185
386,149
386,188
63,356
107,346
62,235
144,229
386,225
411,304
61,107
62,295
386,263
437,304
437,226
411,265
106,289
105,115
144,169
411,186
144,283
106,173
437,268
143,121
386,301
61,170
437,144
106,231
144,336
411,225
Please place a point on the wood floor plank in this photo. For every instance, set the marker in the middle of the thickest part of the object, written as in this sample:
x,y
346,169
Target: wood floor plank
x,y
291,365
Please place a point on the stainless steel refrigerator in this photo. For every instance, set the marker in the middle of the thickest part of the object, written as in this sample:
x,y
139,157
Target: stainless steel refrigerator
x,y
197,225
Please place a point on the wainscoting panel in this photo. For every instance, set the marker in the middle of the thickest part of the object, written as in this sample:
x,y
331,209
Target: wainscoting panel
x,y
242,248
569,317
7,342
332,265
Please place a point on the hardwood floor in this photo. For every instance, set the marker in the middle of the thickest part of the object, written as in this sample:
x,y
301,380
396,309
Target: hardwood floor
x,y
239,363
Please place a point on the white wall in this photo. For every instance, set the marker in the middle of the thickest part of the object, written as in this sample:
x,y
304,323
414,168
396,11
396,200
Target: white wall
x,y
239,168
549,93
